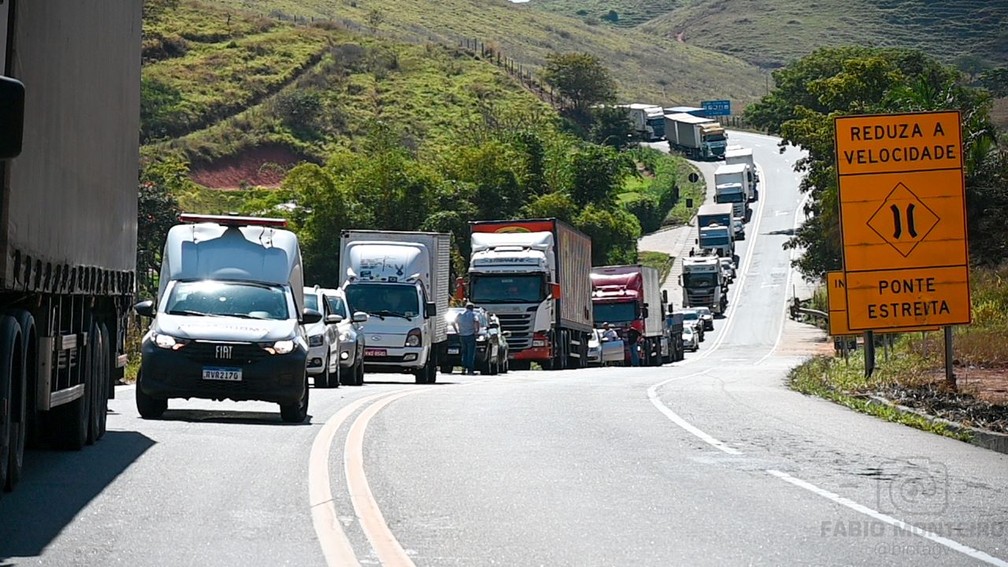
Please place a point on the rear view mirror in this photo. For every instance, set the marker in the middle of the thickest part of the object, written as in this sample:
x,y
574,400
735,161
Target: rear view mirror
x,y
555,290
309,316
360,317
431,308
12,98
144,308
333,319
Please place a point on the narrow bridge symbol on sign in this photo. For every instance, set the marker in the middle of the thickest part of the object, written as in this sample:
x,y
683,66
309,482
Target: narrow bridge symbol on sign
x,y
903,220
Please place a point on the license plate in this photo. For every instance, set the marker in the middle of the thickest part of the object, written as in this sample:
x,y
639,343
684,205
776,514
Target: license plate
x,y
375,352
453,351
226,374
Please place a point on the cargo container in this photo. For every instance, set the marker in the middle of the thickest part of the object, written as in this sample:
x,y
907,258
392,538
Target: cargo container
x,y
68,251
695,137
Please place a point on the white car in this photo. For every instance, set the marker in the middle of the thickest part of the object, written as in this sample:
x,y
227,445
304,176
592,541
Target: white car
x,y
728,268
351,337
738,227
689,339
323,341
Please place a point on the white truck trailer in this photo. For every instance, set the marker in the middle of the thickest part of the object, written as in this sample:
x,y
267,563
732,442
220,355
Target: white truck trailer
x,y
730,186
695,137
744,156
401,280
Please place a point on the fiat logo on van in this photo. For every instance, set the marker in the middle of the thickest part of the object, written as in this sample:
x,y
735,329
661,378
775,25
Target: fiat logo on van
x,y
224,351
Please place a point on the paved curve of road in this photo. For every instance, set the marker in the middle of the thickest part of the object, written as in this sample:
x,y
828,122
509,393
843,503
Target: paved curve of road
x,y
711,461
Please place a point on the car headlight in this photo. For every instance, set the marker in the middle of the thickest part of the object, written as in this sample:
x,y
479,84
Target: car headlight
x,y
279,347
344,337
413,338
316,340
169,342
481,338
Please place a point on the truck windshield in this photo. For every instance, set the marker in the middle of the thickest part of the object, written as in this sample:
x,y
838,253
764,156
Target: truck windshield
x,y
705,279
509,288
712,240
384,299
614,312
730,198
227,299
715,137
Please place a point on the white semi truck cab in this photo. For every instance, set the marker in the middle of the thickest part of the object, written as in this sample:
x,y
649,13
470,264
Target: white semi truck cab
x,y
703,283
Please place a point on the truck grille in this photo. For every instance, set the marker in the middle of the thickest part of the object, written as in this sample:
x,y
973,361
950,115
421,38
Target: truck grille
x,y
700,299
520,325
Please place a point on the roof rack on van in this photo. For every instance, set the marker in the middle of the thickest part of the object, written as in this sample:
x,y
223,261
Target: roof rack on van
x,y
233,220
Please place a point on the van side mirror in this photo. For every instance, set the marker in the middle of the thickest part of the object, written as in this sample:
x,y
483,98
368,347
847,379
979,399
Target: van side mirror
x,y
664,296
333,318
431,308
145,308
12,99
644,311
360,317
309,316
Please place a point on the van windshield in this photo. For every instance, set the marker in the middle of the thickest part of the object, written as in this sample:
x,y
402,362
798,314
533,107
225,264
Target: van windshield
x,y
228,299
384,299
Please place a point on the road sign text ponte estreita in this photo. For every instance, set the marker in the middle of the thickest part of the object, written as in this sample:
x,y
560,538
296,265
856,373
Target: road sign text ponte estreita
x,y
911,285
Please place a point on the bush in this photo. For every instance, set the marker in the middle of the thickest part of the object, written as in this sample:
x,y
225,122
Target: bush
x,y
648,211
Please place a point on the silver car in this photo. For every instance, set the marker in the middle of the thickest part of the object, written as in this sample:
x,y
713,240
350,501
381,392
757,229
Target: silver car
x,y
707,316
323,341
689,339
351,354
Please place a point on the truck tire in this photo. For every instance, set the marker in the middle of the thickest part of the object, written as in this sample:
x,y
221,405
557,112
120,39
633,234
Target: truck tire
x,y
22,408
298,411
10,372
99,386
147,406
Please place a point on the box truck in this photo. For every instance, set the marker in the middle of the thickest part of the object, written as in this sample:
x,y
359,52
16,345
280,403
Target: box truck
x,y
400,279
738,155
695,137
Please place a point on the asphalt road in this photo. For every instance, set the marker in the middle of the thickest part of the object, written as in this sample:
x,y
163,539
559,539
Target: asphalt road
x,y
711,461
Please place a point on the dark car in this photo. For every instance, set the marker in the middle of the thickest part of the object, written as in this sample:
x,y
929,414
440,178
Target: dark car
x,y
490,359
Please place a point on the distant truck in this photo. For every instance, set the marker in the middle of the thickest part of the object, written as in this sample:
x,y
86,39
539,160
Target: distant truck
x,y
673,329
228,320
629,297
648,121
534,274
730,186
69,155
695,137
703,283
736,155
715,234
400,279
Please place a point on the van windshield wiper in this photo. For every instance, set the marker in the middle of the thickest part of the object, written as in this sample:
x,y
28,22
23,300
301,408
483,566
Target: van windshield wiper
x,y
383,313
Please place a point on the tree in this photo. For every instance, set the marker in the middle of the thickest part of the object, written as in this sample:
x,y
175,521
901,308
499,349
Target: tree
x,y
855,80
614,234
581,79
596,174
611,126
157,212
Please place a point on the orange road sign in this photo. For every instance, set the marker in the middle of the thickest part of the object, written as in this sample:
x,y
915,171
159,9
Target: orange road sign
x,y
836,294
903,220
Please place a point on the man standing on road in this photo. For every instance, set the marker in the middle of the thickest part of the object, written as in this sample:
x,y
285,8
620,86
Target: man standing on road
x,y
633,338
468,325
608,333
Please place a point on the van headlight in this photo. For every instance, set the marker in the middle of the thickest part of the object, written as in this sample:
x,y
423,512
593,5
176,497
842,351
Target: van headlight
x,y
279,347
413,338
315,340
169,342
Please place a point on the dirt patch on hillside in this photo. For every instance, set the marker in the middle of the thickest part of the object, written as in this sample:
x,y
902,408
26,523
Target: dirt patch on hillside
x,y
264,166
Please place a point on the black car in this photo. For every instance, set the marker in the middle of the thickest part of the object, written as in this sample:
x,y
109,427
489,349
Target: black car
x,y
490,357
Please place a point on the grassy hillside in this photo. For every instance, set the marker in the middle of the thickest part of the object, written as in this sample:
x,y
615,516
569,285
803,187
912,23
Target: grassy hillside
x,y
770,33
619,13
662,70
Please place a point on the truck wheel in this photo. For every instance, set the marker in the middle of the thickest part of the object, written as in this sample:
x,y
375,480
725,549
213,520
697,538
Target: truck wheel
x,y
98,387
10,372
298,411
105,379
22,406
147,406
71,422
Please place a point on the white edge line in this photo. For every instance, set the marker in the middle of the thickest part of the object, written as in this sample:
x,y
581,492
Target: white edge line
x,y
335,546
674,417
951,544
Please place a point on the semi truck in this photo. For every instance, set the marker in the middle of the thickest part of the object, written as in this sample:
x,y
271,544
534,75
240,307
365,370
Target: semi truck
x,y
695,137
70,153
737,155
228,320
703,283
715,235
648,121
534,274
629,297
400,279
731,186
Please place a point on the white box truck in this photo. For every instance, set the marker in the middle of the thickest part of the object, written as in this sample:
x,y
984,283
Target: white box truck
x,y
400,279
730,186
